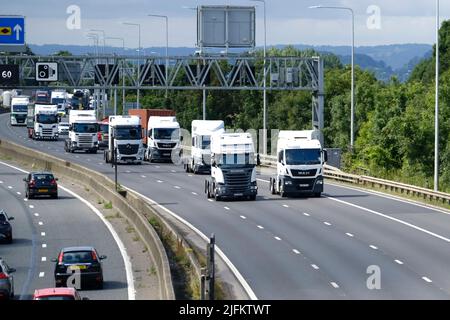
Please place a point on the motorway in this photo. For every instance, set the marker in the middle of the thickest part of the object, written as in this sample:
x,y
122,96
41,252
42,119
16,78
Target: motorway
x,y
42,227
304,248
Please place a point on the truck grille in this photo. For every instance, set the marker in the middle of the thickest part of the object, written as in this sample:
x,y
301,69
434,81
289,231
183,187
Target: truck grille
x,y
47,132
128,149
85,141
237,181
163,145
303,173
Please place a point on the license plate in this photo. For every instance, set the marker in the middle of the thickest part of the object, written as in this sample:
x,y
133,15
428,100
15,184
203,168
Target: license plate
x,y
304,185
77,267
166,154
43,190
238,194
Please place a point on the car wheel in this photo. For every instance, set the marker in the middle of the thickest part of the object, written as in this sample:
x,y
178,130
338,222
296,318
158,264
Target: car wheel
x,y
10,240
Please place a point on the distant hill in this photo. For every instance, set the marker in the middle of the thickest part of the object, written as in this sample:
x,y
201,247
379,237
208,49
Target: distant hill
x,y
385,61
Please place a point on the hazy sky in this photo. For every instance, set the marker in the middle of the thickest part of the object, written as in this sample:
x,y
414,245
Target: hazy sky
x,y
288,21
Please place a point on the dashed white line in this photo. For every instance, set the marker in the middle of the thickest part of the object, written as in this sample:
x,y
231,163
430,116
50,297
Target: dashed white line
x,y
31,206
36,214
18,193
143,176
43,259
189,175
277,238
243,217
306,214
159,181
40,223
334,284
260,227
177,187
1,182
42,234
296,251
25,199
399,262
226,208
210,200
285,205
173,171
349,234
10,187
327,223
427,279
374,247
41,274
128,171
157,167
194,193
315,266
44,245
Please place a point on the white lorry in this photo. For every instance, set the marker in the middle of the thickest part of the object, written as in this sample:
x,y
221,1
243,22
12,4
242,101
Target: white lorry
x,y
202,130
45,122
60,99
125,136
83,129
19,110
233,167
163,141
300,160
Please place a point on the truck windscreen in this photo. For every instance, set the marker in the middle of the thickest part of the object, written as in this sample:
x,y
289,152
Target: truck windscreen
x,y
19,108
303,156
46,118
236,159
85,127
166,134
128,133
58,100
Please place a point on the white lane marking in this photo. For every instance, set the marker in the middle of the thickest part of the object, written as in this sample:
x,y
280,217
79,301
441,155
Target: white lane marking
x,y
42,234
306,214
327,223
427,279
142,176
392,219
36,214
40,223
399,262
315,266
157,167
219,251
243,217
41,274
334,284
31,206
226,208
1,182
277,238
260,227
374,247
189,175
18,193
210,200
173,171
25,199
177,187
285,205
296,251
77,156
349,234
194,193
123,251
266,198
10,187
159,181
43,259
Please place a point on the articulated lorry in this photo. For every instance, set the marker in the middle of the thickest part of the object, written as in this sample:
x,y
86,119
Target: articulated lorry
x,y
124,135
300,160
163,143
19,110
233,167
42,121
202,130
83,129
59,97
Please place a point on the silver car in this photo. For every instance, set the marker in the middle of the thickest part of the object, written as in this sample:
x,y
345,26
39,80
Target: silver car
x,y
63,128
6,281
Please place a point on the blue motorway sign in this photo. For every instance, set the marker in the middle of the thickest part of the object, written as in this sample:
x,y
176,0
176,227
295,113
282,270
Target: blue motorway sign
x,y
12,30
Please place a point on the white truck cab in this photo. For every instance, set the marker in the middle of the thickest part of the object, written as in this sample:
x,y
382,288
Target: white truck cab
x,y
60,99
83,128
45,122
125,136
233,167
202,130
163,138
19,110
300,160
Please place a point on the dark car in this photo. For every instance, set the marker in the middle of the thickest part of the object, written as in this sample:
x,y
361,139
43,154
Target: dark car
x,y
40,184
84,261
5,227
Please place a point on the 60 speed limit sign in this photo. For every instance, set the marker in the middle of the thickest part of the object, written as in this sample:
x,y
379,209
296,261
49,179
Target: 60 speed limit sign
x,y
9,74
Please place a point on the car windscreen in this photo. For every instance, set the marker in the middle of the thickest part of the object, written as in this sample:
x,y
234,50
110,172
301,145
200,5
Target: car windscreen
x,y
20,108
43,177
46,118
85,127
303,156
56,298
78,257
128,133
166,134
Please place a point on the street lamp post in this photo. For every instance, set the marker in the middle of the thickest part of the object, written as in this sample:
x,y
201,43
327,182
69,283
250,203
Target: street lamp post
x,y
167,45
123,78
103,52
139,61
352,108
265,75
436,111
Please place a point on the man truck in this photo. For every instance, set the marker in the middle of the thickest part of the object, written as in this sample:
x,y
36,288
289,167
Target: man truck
x,y
43,124
202,130
19,109
83,128
300,160
124,140
233,167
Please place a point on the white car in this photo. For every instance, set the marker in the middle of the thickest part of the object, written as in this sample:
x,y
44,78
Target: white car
x,y
63,128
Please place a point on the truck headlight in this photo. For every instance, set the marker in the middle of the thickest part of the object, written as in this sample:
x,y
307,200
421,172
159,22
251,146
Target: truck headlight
x,y
288,182
319,181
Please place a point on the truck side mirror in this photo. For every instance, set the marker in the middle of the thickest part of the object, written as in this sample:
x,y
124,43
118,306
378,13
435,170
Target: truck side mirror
x,y
258,160
181,138
150,133
325,155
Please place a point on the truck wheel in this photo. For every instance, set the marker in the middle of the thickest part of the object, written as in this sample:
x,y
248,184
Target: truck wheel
x,y
105,156
207,190
272,186
317,194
